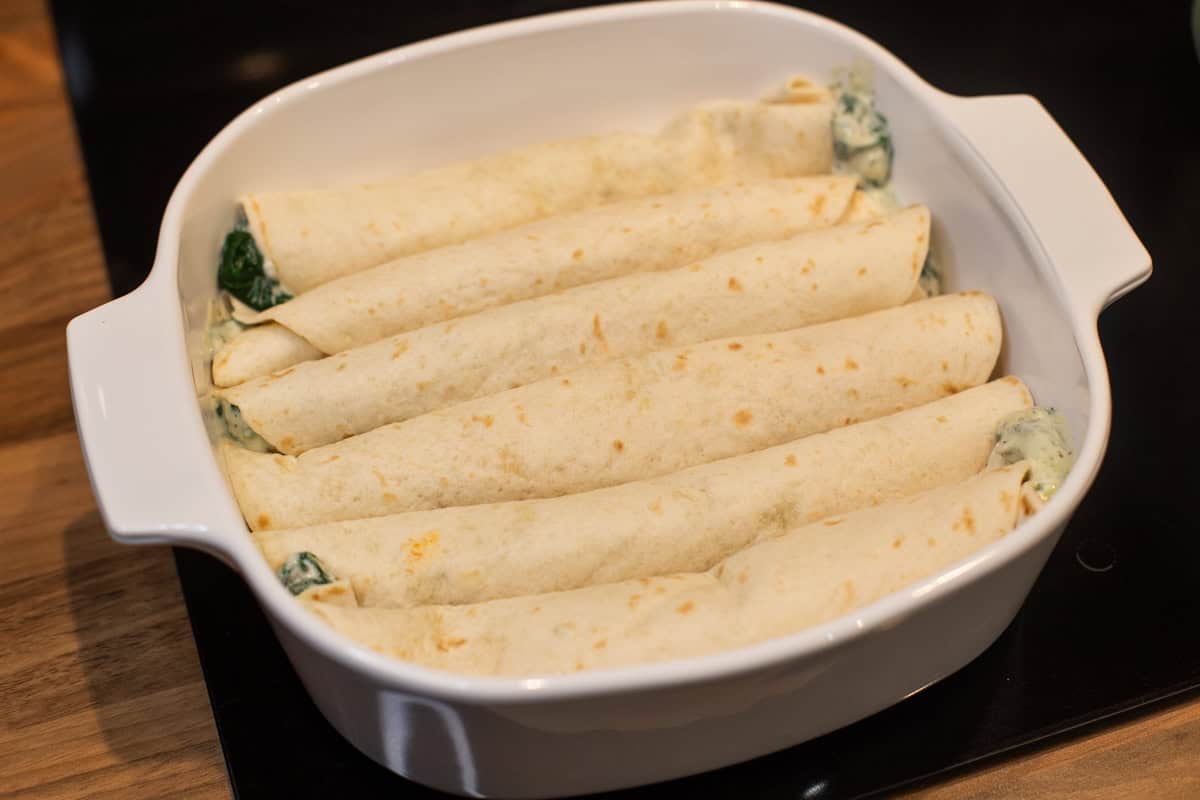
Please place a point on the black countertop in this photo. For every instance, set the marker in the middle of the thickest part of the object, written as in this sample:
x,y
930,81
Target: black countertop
x,y
1109,626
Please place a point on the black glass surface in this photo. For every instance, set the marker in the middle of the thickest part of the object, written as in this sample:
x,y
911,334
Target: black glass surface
x,y
1110,625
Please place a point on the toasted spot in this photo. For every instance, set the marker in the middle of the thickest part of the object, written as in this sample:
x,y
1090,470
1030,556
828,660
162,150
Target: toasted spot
x,y
790,460
851,363
861,271
286,443
565,382
634,599
660,332
742,418
341,367
817,204
680,362
686,608
597,331
905,382
331,459
831,522
852,394
418,548
942,419
263,521
744,576
950,388
618,445
735,285
600,644
656,506
808,267
812,288
401,349
373,228
660,590
483,419
1026,507
820,370
444,645
388,497
899,540
422,385
578,254
945,366
758,259
966,522
1006,500
932,542
735,346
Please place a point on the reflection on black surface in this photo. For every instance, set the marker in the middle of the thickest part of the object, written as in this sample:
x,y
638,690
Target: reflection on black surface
x,y
1109,625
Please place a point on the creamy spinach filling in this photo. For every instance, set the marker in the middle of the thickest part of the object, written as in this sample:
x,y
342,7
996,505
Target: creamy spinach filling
x,y
302,571
244,273
1040,436
238,429
862,139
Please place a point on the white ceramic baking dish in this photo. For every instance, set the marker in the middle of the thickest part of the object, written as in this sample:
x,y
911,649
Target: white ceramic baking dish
x,y
1019,214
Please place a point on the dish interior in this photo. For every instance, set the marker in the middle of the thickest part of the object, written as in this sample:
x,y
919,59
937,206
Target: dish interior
x,y
404,111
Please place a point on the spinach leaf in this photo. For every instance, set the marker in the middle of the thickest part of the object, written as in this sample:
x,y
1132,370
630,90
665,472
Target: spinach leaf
x,y
241,273
303,570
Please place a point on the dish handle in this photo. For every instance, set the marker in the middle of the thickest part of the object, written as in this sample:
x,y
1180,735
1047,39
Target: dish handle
x,y
1097,255
143,445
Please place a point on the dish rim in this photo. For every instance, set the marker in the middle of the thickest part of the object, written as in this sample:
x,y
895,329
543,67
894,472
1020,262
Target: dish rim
x,y
237,548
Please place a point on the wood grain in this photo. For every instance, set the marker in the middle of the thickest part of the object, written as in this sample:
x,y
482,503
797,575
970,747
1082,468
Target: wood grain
x,y
100,689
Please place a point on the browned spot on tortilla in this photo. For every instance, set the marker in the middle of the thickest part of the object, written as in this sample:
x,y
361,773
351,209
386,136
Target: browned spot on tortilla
x,y
532,237
861,271
680,362
618,445
945,366
634,599
905,382
790,460
742,418
735,346
372,228
660,590
872,224
445,645
644,581
582,348
820,370
379,476
400,349
388,497
565,382
600,644
831,522
597,331
851,363
263,521
744,576
535,609
942,419
950,388
660,332
656,205
483,419
1026,507
735,285
341,366
686,608
1006,500
850,421
852,394
418,548
966,521
817,204
812,288
899,540
720,570
331,459
759,259
286,443
422,385
932,542
304,233
696,268
808,267
656,506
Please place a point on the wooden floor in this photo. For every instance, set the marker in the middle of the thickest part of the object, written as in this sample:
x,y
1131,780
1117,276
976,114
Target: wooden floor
x,y
100,689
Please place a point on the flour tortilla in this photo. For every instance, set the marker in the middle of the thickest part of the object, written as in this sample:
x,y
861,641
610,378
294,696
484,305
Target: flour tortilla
x,y
812,574
810,278
633,418
532,260
312,237
683,522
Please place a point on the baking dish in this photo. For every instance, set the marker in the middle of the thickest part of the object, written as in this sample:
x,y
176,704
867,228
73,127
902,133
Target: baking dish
x,y
1019,214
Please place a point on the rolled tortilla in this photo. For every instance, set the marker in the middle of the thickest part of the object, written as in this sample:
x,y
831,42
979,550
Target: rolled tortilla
x,y
530,261
813,277
683,522
315,236
633,418
812,574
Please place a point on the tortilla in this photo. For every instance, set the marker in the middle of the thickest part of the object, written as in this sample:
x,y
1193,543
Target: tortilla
x,y
812,574
532,260
315,236
632,418
810,278
683,522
